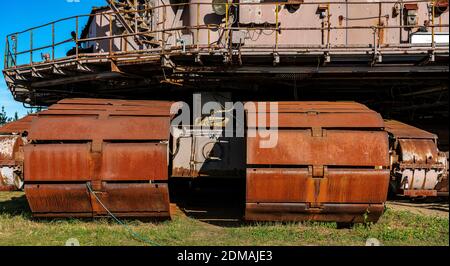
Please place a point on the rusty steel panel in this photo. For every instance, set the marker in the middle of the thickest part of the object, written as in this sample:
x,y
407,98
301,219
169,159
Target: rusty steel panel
x,y
118,113
89,128
144,199
355,185
11,162
75,200
324,120
134,161
443,186
273,185
420,193
7,188
58,198
348,213
79,145
418,168
418,151
405,131
102,119
57,162
310,106
18,127
278,185
336,147
9,147
73,162
329,164
314,114
113,102
9,180
152,109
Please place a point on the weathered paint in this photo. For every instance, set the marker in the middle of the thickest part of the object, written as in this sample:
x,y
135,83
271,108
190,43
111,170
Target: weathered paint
x,y
418,168
317,163
118,148
11,160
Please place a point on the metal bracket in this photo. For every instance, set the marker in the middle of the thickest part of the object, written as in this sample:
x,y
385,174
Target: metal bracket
x,y
198,59
19,76
326,57
318,171
97,144
276,59
8,78
35,73
315,207
97,189
431,55
83,68
317,132
114,67
377,58
58,71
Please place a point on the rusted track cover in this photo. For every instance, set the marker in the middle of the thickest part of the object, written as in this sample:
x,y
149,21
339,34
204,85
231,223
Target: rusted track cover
x,y
19,126
12,139
331,164
405,131
11,161
118,147
418,168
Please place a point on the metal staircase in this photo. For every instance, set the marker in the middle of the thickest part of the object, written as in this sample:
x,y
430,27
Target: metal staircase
x,y
136,18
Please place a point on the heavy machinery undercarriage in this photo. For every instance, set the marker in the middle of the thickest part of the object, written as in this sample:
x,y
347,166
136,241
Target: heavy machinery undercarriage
x,y
113,136
418,168
332,161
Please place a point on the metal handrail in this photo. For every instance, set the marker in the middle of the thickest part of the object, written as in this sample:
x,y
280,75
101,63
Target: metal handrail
x,y
237,4
226,28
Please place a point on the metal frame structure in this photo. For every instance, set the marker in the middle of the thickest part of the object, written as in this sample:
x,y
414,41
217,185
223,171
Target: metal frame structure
x,y
224,57
378,47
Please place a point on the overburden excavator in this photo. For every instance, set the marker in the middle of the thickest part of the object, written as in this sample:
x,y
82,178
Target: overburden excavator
x,y
285,97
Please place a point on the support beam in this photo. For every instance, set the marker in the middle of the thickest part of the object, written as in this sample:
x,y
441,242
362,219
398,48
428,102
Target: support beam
x,y
77,79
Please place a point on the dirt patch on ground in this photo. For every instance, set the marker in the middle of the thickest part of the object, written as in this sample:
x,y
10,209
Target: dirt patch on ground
x,y
439,209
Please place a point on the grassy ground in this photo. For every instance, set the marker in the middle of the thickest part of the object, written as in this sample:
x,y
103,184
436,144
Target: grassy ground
x,y
396,227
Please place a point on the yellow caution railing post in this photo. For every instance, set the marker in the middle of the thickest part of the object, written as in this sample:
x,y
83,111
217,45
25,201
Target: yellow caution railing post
x,y
276,25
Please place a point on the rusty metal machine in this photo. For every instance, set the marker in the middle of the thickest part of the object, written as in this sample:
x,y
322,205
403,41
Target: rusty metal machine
x,y
13,137
112,139
116,148
330,163
418,168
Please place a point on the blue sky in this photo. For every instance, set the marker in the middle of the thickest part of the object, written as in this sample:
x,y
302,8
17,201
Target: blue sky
x,y
20,15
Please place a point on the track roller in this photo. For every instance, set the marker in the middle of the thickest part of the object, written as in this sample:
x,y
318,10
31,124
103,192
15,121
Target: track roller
x,y
418,168
12,139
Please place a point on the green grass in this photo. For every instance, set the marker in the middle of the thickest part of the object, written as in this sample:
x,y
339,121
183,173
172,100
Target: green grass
x,y
394,228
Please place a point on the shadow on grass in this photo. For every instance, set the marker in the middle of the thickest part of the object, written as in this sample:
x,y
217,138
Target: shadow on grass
x,y
16,205
219,202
